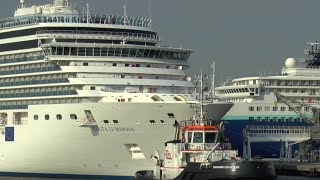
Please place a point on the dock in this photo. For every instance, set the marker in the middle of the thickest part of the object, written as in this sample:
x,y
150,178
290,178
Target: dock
x,y
297,168
306,163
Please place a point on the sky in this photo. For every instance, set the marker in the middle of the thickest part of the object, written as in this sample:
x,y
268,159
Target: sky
x,y
244,37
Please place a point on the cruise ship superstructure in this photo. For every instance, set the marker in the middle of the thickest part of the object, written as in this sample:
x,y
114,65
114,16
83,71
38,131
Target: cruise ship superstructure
x,y
85,94
256,104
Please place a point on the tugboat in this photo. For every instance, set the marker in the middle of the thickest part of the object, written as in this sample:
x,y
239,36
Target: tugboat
x,y
199,151
203,153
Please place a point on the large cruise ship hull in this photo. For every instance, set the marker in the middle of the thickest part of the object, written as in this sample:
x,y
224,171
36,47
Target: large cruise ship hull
x,y
65,148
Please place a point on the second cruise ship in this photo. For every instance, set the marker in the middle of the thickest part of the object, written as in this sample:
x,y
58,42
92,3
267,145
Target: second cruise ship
x,y
255,102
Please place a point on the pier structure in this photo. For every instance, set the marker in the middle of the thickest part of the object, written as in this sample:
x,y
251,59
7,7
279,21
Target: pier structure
x,y
286,135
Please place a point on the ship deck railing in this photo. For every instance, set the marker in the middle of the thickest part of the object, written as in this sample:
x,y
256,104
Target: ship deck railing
x,y
102,34
197,123
190,147
74,18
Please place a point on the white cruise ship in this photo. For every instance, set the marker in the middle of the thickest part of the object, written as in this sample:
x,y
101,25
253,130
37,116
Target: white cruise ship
x,y
87,96
256,104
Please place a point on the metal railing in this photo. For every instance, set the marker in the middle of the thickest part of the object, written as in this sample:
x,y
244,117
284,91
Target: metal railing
x,y
197,146
105,34
74,18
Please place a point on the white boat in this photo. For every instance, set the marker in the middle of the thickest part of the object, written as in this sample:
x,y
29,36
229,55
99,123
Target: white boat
x,y
255,102
86,96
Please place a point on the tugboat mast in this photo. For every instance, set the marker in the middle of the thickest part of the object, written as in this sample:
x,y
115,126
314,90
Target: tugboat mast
x,y
201,96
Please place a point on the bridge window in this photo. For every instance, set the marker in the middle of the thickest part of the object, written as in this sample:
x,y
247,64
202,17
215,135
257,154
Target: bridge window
x,y
210,137
283,108
198,137
189,136
274,108
251,108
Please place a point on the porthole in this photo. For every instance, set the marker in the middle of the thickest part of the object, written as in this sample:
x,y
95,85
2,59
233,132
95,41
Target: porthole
x,y
35,117
115,121
47,117
59,116
73,116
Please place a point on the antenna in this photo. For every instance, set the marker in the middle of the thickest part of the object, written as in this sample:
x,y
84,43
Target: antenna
x,y
88,13
213,66
22,3
150,15
201,96
125,20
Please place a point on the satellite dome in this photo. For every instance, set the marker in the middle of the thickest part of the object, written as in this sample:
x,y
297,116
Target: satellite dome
x,y
290,63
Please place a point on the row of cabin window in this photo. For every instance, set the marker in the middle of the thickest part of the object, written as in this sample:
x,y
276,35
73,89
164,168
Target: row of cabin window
x,y
267,108
275,119
241,90
58,117
107,121
5,71
20,58
153,122
129,65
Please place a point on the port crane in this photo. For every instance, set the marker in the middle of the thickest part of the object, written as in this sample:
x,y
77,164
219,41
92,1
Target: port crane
x,y
297,106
